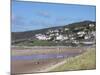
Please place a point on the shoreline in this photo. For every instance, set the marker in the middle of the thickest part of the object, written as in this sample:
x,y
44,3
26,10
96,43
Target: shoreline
x,y
43,65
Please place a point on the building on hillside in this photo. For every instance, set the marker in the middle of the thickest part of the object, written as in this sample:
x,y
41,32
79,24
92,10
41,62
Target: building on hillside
x,y
59,37
91,25
42,37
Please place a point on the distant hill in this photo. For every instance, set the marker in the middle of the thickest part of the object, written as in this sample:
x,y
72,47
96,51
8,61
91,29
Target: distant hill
x,y
73,29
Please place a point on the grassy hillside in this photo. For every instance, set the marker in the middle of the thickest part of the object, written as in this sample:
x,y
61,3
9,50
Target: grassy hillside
x,y
81,62
70,31
30,34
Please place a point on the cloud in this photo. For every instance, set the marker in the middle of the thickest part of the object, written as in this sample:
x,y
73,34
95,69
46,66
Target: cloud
x,y
17,20
61,19
43,14
41,23
13,17
66,19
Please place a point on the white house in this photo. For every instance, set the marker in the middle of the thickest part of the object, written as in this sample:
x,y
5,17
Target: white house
x,y
51,34
42,37
91,25
60,37
66,29
72,38
57,34
50,31
76,42
56,30
93,33
65,37
86,37
81,33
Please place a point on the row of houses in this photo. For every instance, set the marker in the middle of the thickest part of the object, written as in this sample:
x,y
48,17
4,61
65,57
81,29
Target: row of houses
x,y
56,35
65,37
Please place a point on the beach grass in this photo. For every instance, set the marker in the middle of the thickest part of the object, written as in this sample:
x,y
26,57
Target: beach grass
x,y
84,61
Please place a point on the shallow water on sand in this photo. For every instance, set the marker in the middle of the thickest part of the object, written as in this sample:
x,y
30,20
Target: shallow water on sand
x,y
44,56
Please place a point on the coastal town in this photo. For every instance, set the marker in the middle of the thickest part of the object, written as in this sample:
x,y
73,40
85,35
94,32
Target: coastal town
x,y
77,36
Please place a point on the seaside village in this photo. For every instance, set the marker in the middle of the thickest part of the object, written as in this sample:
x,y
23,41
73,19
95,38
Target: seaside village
x,y
84,35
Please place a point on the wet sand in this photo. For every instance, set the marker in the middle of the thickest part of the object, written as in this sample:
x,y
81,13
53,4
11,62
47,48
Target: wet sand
x,y
34,66
56,50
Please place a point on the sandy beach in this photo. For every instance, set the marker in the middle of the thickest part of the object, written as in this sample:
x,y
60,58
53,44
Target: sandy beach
x,y
39,65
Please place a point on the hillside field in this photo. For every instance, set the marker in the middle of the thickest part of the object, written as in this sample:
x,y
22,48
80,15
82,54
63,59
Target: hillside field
x,y
82,62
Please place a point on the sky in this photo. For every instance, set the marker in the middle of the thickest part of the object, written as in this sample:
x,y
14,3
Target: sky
x,y
34,15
